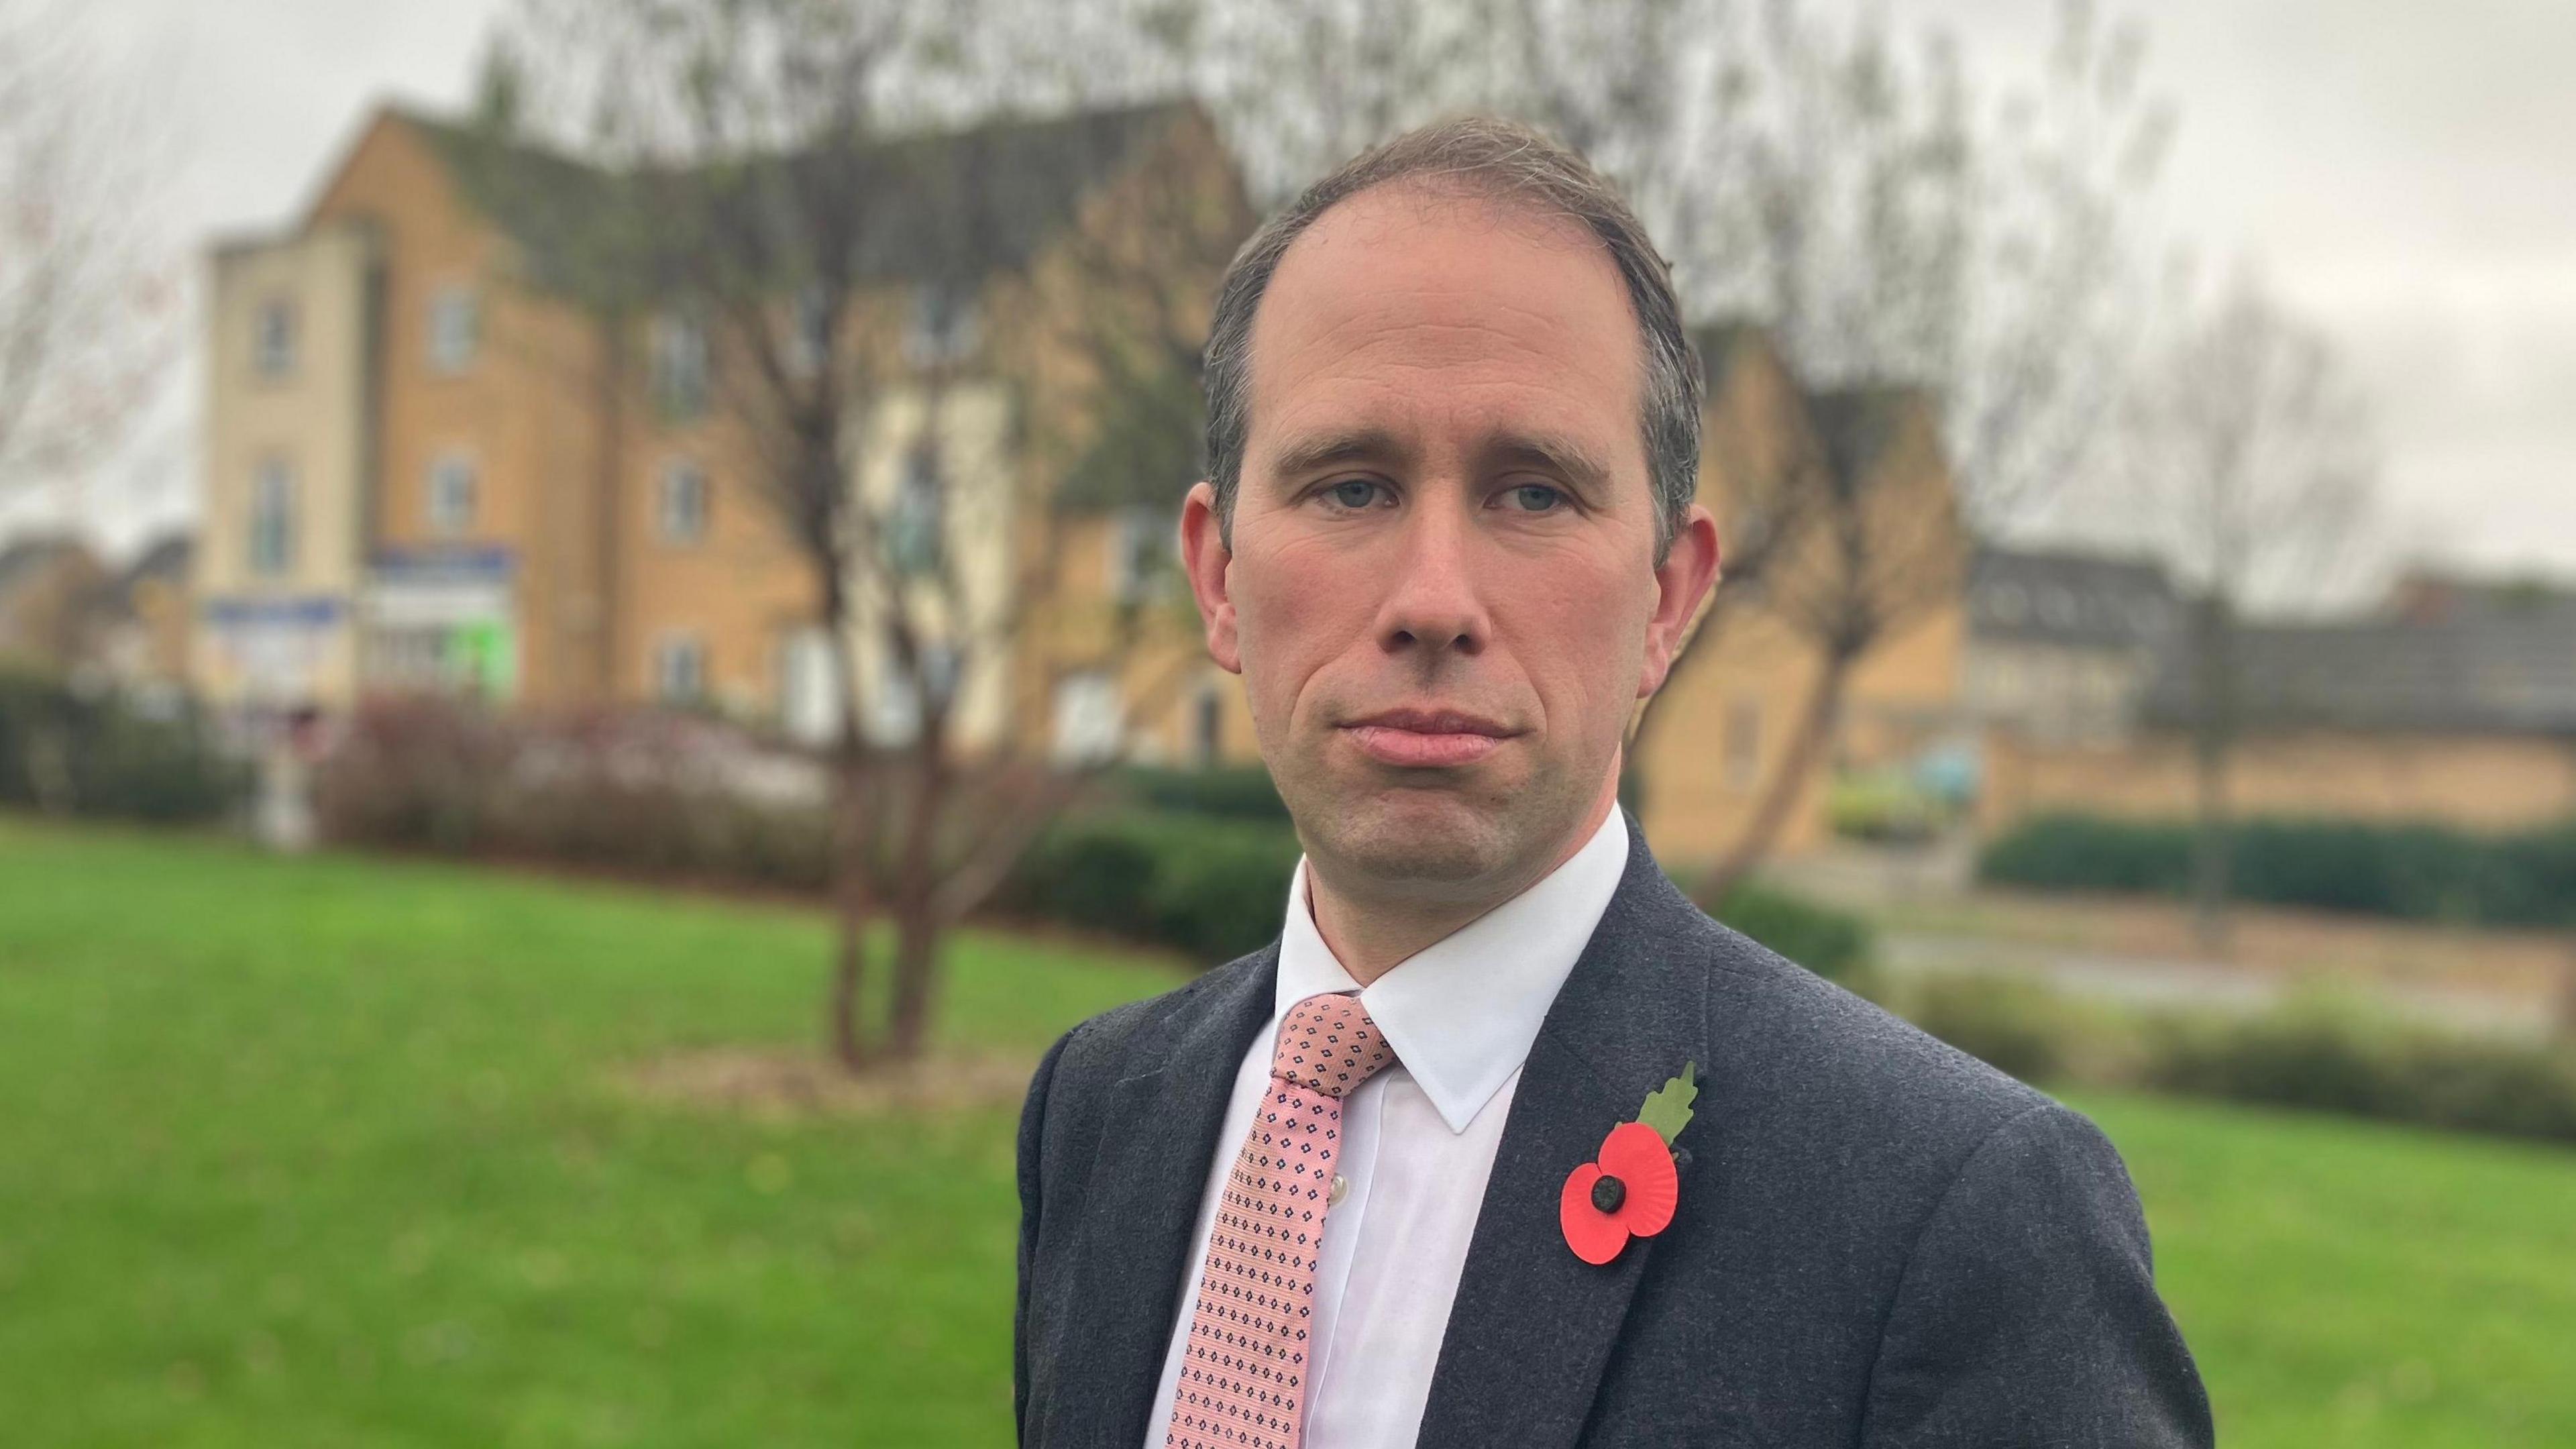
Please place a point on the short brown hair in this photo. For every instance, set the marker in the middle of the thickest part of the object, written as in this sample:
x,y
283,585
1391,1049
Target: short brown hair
x,y
1498,161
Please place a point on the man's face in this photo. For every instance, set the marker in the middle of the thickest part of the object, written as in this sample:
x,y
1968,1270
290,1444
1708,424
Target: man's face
x,y
1442,591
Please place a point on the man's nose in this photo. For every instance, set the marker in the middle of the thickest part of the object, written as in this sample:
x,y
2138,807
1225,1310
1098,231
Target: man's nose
x,y
1434,604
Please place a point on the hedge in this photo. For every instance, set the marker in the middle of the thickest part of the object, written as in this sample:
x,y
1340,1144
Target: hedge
x,y
2319,1053
2419,872
1235,792
1836,945
95,755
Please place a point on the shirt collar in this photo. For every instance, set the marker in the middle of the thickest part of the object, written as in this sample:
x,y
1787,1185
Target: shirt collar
x,y
1462,1012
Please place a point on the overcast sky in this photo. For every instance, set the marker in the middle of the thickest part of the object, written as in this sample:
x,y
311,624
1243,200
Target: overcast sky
x,y
2398,169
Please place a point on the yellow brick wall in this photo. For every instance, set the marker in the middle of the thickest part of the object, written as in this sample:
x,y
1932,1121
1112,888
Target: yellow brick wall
x,y
526,411
2474,782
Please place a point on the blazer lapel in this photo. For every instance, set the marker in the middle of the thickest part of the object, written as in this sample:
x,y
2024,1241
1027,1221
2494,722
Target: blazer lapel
x,y
1146,1185
1532,1326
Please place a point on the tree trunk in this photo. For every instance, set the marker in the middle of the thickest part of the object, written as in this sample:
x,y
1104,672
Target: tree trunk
x,y
918,926
1788,779
2213,735
850,903
852,833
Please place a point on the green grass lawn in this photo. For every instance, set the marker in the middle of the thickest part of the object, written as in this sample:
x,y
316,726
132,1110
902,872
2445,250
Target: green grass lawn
x,y
330,1152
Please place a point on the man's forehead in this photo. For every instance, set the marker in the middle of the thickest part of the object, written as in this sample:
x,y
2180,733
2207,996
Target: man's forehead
x,y
1433,297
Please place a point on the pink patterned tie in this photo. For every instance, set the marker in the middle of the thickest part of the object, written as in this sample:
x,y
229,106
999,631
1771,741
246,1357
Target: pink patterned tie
x,y
1243,1373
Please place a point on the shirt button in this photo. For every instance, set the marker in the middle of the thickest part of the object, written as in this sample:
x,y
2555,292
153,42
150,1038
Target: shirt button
x,y
1340,1186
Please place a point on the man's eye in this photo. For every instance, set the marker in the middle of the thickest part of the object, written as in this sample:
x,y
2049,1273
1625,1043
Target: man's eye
x,y
1353,492
1537,498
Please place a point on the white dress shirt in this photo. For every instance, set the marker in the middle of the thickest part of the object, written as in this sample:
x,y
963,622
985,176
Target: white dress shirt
x,y
1418,1139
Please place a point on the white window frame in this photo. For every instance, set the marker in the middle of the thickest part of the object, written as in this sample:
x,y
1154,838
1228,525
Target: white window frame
x,y
680,364
455,328
273,339
1137,536
1090,718
454,486
674,522
271,543
679,668
916,524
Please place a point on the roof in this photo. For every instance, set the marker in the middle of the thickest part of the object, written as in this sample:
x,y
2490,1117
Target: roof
x,y
2428,596
2069,597
1859,426
992,195
1721,344
167,559
2473,676
27,558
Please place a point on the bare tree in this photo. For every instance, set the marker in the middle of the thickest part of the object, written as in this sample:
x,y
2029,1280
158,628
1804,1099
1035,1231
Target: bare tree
x,y
2251,460
762,166
1888,218
88,300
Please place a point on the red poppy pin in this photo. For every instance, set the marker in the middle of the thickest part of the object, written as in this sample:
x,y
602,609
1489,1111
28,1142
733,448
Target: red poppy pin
x,y
1631,1189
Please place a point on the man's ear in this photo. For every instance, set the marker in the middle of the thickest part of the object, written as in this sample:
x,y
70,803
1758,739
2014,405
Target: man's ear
x,y
1204,554
1689,571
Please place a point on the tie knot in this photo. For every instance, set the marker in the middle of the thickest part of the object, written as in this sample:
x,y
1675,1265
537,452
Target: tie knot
x,y
1328,1044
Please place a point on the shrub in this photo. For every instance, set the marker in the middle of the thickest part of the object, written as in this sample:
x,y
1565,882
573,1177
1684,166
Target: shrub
x,y
1836,945
95,755
1241,792
638,791
2075,852
2420,872
1211,887
2018,1027
2332,1055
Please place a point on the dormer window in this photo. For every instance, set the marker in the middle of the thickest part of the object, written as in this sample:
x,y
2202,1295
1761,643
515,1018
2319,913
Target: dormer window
x,y
454,327
273,338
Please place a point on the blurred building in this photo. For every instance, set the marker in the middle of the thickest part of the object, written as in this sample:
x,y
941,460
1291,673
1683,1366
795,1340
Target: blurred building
x,y
144,628
2453,704
2061,644
421,474
49,592
1737,712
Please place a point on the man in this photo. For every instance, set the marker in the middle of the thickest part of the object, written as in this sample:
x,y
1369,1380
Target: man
x,y
1430,1167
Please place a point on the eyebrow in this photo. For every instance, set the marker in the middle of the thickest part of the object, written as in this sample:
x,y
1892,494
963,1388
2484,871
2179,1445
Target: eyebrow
x,y
1322,450
1551,451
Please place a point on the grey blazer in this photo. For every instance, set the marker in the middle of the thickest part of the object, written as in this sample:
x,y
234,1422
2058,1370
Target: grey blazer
x,y
1881,1241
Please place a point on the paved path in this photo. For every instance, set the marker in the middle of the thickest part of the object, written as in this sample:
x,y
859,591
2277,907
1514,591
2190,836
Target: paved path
x,y
2170,981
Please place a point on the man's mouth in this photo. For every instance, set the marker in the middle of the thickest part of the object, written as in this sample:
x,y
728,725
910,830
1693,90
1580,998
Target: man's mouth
x,y
1427,738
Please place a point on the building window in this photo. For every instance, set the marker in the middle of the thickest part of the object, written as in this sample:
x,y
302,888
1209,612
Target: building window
x,y
1210,741
943,327
1141,545
272,518
680,669
451,494
273,338
454,328
1089,719
913,530
895,704
1743,742
809,343
683,507
679,365
809,687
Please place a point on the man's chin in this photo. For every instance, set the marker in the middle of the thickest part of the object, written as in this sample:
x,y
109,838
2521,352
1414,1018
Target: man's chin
x,y
1420,833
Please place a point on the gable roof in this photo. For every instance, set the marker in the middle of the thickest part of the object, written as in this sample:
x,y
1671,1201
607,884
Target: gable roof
x,y
2472,676
2069,597
991,195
